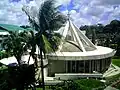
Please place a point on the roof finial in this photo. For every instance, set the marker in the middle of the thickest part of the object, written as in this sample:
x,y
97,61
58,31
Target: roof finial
x,y
68,15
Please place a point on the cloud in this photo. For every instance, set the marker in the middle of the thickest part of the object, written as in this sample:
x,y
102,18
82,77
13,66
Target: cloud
x,y
11,13
106,2
11,10
82,21
96,11
82,11
63,2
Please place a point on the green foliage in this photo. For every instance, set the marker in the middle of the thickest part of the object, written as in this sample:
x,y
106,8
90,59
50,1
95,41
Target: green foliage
x,y
47,45
4,54
114,46
3,78
49,16
116,57
15,44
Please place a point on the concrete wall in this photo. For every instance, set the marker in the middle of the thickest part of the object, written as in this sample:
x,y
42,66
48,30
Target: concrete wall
x,y
56,67
85,66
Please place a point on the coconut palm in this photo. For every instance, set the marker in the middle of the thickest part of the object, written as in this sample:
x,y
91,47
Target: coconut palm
x,y
49,19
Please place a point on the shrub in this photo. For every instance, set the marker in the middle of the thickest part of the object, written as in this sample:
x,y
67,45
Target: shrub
x,y
4,54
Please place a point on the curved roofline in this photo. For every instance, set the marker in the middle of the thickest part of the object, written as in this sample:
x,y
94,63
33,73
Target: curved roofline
x,y
99,53
74,45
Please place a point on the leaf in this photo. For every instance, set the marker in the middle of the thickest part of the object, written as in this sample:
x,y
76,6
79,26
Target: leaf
x,y
47,45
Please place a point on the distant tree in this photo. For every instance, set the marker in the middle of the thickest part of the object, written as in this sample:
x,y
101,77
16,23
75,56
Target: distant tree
x,y
107,34
117,40
83,28
100,28
112,29
87,29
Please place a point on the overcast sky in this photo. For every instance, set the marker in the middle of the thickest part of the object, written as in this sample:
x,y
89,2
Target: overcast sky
x,y
83,12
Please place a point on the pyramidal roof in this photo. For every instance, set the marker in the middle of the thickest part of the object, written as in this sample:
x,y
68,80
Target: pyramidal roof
x,y
74,36
76,46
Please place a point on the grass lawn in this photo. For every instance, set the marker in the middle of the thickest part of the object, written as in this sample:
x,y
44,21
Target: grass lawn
x,y
82,84
89,84
116,62
41,89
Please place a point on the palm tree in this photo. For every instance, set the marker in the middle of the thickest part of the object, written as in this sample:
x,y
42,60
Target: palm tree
x,y
49,20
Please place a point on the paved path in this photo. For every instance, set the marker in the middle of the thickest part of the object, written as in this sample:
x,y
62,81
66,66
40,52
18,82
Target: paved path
x,y
113,70
110,88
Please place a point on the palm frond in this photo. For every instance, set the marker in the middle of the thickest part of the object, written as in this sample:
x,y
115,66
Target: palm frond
x,y
49,16
47,45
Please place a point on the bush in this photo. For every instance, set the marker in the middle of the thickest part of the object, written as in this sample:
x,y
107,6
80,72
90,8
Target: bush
x,y
116,57
114,46
4,78
4,54
21,76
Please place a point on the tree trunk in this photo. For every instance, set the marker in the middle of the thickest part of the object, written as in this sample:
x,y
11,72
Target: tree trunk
x,y
42,70
18,60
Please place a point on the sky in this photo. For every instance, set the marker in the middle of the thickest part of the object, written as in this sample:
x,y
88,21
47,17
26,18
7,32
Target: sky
x,y
82,12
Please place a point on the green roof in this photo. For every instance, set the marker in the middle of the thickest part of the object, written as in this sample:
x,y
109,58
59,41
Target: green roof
x,y
9,27
29,29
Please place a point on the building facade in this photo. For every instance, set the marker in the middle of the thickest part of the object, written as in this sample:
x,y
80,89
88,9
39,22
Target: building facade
x,y
77,54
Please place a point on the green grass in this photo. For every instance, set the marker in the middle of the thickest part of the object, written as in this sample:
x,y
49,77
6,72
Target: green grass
x,y
81,84
41,89
116,62
89,84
